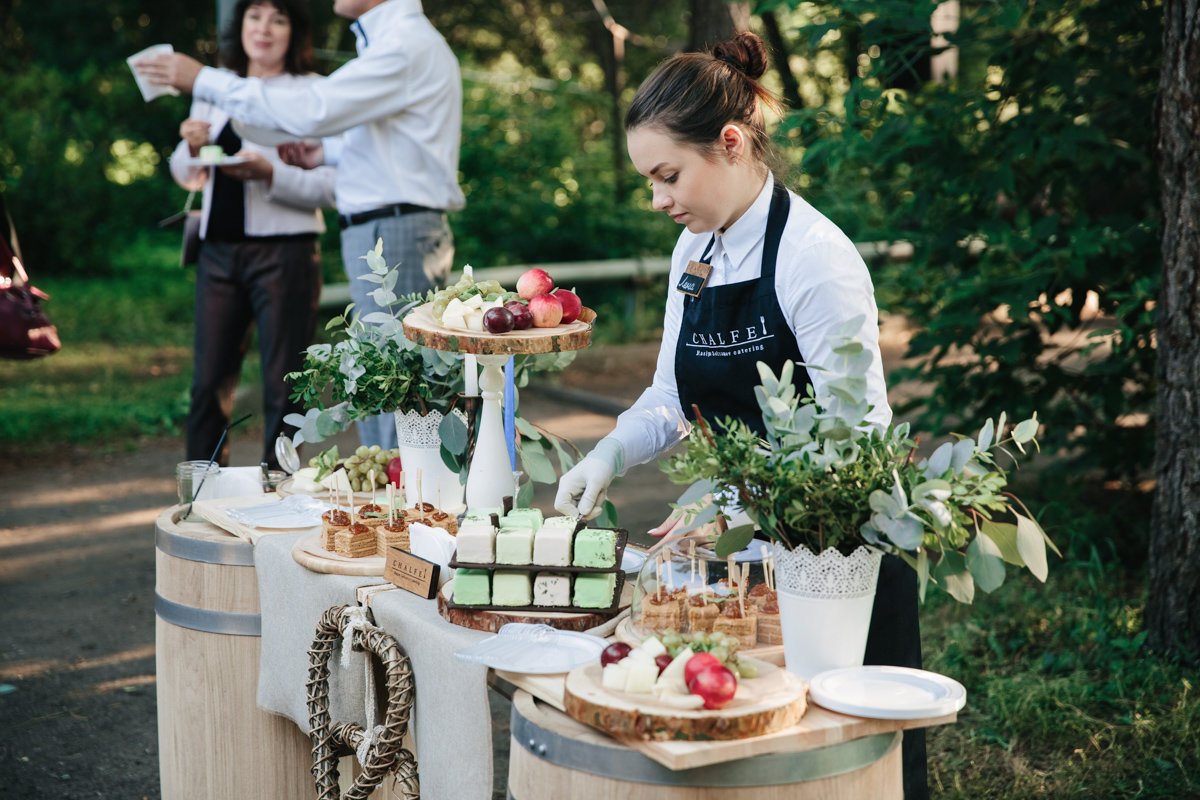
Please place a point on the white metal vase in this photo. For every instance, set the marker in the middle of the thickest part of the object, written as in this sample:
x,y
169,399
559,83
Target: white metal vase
x,y
420,453
825,606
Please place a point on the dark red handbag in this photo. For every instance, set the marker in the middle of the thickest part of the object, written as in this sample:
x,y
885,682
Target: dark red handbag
x,y
25,330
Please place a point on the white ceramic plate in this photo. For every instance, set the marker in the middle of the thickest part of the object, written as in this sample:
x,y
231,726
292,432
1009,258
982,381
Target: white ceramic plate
x,y
227,161
888,692
267,137
535,649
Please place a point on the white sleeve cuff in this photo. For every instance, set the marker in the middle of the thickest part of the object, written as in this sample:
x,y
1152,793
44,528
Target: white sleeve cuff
x,y
211,84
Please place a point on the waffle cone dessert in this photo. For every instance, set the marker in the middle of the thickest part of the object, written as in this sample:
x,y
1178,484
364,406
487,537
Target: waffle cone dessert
x,y
733,622
356,541
333,521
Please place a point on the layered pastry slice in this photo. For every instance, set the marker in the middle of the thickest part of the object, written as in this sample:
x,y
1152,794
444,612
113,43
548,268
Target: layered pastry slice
x,y
661,613
333,521
702,611
356,541
769,629
733,621
393,533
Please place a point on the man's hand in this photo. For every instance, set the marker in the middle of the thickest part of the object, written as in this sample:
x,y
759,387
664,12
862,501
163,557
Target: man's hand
x,y
307,154
256,168
170,69
195,132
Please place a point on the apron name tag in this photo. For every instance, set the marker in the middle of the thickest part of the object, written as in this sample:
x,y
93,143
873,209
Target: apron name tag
x,y
693,278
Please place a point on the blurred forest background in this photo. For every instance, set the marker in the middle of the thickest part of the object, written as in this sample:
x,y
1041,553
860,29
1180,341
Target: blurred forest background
x,y
1014,152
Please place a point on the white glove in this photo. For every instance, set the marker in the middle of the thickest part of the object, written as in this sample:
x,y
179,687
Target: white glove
x,y
584,488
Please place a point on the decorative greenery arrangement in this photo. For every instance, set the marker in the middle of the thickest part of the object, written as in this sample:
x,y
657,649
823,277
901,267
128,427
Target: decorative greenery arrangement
x,y
374,368
824,478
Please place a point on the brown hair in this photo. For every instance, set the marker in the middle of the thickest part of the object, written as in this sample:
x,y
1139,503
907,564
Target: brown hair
x,y
298,59
692,96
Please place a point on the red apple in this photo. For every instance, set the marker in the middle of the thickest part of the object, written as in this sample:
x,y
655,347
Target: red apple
x,y
498,320
571,304
533,283
662,661
614,653
547,311
522,319
698,663
715,685
394,470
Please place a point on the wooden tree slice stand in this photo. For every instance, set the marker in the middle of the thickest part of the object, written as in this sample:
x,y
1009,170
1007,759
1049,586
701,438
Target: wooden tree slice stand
x,y
493,621
308,553
773,701
421,327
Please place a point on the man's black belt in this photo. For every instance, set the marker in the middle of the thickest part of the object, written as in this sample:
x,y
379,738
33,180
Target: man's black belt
x,y
394,210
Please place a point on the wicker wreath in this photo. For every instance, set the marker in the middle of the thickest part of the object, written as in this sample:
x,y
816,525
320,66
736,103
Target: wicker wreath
x,y
331,740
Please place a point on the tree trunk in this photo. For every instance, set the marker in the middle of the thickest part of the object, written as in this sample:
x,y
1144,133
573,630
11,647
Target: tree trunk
x,y
714,21
779,54
1173,608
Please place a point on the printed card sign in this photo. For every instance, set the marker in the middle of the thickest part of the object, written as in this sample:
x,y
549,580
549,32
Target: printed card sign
x,y
411,573
693,278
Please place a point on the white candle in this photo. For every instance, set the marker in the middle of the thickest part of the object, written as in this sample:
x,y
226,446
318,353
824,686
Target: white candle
x,y
470,376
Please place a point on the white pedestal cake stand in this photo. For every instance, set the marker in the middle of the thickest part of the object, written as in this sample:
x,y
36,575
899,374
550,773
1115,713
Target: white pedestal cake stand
x,y
489,475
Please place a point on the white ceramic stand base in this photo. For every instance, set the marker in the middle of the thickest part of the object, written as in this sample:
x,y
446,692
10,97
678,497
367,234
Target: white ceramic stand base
x,y
490,475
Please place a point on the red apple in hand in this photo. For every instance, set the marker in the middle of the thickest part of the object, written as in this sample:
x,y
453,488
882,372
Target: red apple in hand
x,y
614,653
716,686
571,304
698,663
533,283
547,311
394,470
522,319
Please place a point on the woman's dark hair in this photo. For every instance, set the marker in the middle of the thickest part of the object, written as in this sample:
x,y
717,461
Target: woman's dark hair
x,y
299,56
692,96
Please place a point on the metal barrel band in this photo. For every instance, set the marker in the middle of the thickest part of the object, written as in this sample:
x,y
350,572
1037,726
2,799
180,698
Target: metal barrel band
x,y
767,770
234,553
231,623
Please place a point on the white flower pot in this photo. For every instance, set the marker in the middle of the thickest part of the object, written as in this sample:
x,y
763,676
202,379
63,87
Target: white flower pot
x,y
420,453
825,606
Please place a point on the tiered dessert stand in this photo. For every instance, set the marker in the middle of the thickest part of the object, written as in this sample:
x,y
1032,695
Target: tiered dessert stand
x,y
490,475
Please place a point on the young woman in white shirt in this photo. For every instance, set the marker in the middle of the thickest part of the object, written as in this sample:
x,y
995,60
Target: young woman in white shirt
x,y
259,263
782,278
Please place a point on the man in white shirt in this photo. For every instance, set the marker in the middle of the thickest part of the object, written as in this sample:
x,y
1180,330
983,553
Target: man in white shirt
x,y
398,110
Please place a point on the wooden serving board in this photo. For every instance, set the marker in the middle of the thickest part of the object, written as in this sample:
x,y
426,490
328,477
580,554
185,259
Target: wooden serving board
x,y
773,701
493,621
308,553
771,653
421,327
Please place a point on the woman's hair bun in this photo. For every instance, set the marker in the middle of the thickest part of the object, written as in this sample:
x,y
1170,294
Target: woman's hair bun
x,y
745,52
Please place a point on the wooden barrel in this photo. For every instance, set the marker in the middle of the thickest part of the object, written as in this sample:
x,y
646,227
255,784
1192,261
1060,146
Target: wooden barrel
x,y
214,743
552,755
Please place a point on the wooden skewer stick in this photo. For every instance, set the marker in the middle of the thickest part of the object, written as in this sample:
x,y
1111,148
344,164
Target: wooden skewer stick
x,y
742,587
371,478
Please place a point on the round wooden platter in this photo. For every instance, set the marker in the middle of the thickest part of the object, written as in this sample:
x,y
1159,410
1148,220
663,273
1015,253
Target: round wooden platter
x,y
493,621
772,653
309,553
421,327
773,701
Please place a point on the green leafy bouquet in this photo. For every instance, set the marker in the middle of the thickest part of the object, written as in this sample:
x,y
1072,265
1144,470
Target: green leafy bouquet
x,y
824,477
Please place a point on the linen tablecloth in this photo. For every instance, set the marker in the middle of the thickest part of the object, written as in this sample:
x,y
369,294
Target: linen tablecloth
x,y
451,723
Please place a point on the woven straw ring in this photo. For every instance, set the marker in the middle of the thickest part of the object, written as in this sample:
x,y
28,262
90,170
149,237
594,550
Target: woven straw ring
x,y
331,740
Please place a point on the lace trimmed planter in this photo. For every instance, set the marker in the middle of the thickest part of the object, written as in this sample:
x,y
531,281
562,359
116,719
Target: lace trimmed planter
x,y
420,449
825,606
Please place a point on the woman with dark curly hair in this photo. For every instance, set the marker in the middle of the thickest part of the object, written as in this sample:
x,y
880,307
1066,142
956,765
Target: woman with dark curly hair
x,y
259,264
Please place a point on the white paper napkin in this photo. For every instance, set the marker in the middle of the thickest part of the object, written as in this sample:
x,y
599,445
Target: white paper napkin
x,y
232,482
150,91
432,544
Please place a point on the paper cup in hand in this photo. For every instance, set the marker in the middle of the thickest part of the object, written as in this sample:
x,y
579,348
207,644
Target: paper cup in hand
x,y
149,90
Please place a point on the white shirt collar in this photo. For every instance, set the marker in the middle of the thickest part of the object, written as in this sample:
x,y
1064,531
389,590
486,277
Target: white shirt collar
x,y
740,238
379,18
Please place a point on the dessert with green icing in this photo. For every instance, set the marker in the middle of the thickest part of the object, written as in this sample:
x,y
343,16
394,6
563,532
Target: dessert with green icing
x,y
595,547
519,517
472,587
510,588
595,589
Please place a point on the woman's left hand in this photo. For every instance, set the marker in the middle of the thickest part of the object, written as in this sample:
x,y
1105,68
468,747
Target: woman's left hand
x,y
255,168
170,69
